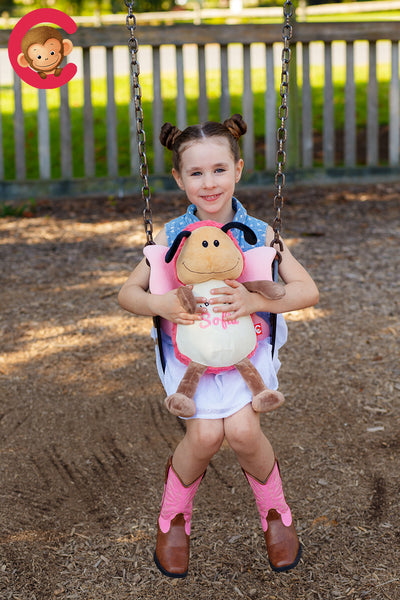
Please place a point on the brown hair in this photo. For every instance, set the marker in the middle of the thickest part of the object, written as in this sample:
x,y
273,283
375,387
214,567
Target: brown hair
x,y
174,139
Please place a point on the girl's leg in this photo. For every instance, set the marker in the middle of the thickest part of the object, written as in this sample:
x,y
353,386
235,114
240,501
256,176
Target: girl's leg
x,y
184,473
245,437
202,440
257,459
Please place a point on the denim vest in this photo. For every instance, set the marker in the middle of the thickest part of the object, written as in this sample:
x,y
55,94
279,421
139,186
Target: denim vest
x,y
172,228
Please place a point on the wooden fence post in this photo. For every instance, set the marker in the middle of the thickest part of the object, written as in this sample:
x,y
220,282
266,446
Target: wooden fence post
x,y
43,136
159,162
394,105
306,111
350,146
294,114
19,131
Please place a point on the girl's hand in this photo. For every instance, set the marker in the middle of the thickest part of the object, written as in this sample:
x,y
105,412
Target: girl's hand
x,y
169,307
234,300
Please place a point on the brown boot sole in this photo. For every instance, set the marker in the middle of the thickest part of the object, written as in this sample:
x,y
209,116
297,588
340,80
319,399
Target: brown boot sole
x,y
168,573
287,567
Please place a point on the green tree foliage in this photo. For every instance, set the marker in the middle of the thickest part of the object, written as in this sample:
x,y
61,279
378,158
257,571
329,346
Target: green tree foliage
x,y
6,7
153,5
71,7
84,7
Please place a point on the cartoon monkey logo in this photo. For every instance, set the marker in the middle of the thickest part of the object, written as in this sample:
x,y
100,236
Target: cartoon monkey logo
x,y
43,50
35,47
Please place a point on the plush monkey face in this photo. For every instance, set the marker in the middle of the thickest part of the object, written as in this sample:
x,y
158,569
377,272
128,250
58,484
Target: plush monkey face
x,y
209,253
43,49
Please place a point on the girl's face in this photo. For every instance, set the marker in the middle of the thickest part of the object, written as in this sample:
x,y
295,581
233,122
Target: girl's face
x,y
208,175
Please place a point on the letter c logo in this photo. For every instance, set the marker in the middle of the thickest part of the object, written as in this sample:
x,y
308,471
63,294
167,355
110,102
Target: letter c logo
x,y
41,15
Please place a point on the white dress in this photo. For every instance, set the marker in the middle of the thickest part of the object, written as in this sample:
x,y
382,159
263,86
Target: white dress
x,y
223,394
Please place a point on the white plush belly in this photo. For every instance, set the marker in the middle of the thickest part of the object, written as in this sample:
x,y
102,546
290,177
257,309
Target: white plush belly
x,y
213,341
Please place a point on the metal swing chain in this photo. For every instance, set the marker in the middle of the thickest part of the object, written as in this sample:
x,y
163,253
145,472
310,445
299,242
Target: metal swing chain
x,y
141,139
287,32
133,45
141,136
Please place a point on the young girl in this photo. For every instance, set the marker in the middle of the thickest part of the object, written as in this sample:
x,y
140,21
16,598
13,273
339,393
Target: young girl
x,y
207,165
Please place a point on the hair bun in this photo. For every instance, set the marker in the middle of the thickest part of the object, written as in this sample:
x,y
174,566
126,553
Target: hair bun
x,y
236,125
168,135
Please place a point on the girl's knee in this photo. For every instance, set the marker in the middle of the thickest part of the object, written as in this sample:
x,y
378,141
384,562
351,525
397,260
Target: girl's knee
x,y
206,437
243,433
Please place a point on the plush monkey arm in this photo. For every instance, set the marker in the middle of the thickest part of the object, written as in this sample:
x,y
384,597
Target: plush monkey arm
x,y
187,299
268,289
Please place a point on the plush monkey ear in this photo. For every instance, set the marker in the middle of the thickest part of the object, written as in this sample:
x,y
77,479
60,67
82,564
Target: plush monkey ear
x,y
68,46
249,234
174,248
21,60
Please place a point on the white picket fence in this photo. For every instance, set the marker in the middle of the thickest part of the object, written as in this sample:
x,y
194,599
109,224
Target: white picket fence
x,y
223,47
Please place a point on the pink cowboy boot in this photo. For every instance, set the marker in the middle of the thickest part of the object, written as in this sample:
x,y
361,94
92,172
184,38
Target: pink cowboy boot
x,y
173,532
283,546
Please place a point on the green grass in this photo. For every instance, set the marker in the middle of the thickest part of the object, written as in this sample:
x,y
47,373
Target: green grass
x,y
122,87
393,15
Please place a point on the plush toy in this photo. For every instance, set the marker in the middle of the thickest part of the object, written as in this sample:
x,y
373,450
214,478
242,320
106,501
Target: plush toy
x,y
203,255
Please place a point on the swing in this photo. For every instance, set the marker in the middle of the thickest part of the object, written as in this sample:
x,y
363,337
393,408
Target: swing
x,y
278,202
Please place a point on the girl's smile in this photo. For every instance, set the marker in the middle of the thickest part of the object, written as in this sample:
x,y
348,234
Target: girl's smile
x,y
208,174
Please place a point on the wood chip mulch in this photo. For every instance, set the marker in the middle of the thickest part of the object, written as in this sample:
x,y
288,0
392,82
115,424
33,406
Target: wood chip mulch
x,y
84,436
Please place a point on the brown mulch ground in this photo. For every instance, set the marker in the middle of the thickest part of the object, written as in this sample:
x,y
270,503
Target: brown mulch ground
x,y
84,435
